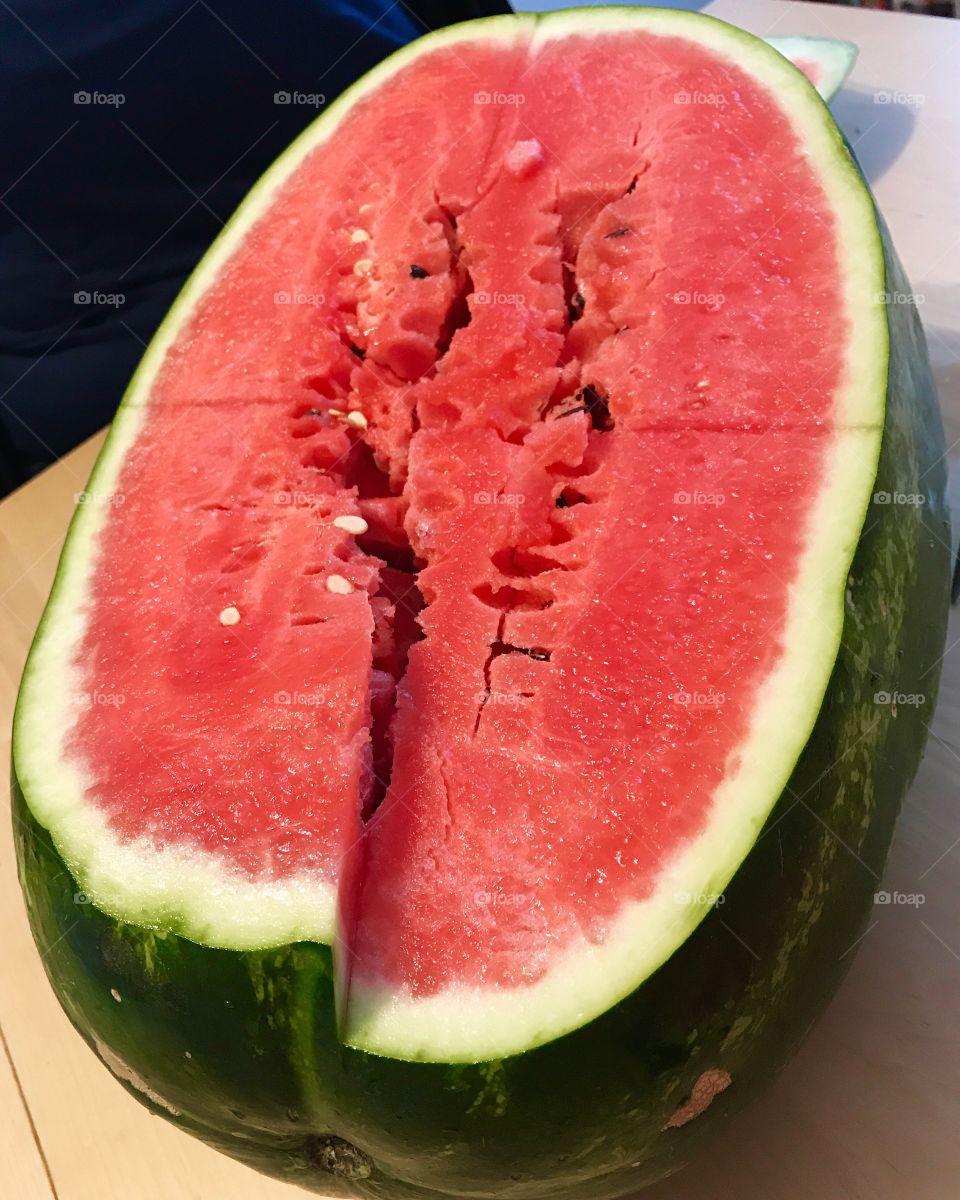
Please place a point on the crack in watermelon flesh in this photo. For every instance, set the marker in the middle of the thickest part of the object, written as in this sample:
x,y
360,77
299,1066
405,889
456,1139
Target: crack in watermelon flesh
x,y
587,297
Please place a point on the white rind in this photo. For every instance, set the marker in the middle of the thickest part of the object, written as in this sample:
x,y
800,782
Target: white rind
x,y
206,901
835,57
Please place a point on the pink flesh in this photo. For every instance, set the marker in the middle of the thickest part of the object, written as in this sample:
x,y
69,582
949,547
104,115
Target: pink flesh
x,y
810,67
541,764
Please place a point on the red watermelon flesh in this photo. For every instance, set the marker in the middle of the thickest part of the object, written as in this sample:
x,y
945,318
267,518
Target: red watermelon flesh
x,y
812,69
595,338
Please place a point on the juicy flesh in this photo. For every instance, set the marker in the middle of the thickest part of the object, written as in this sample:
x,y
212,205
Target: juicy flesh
x,y
586,301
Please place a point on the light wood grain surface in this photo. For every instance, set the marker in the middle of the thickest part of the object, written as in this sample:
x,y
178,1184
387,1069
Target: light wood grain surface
x,y
870,1108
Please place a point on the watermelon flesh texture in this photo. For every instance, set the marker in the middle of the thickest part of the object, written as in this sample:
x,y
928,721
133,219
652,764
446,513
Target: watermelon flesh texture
x,y
528,341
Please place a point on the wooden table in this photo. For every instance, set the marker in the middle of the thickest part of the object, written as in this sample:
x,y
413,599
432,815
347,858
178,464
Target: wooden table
x,y
870,1107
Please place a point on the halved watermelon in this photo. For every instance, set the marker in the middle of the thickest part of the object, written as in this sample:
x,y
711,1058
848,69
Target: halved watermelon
x,y
459,588
826,62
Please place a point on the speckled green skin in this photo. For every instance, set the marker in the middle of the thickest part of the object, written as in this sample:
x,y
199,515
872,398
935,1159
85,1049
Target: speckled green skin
x,y
243,1045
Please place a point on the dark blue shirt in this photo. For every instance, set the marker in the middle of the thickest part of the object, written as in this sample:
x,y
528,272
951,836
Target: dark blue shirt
x,y
130,132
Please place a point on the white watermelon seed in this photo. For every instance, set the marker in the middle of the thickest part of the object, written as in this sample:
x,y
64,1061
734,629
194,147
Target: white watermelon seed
x,y
230,616
116,995
359,235
338,585
363,266
357,420
354,525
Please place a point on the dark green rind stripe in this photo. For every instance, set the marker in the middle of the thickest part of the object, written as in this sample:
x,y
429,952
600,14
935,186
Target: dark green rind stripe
x,y
244,1046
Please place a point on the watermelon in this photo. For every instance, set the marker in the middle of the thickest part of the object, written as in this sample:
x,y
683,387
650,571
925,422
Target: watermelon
x,y
826,62
458,751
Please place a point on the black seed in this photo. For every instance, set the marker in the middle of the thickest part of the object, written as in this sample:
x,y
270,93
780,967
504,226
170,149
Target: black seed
x,y
418,272
598,406
560,502
355,349
576,307
620,231
339,1157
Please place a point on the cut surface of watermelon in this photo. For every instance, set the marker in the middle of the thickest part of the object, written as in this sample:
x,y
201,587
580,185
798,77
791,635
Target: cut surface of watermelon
x,y
464,570
826,62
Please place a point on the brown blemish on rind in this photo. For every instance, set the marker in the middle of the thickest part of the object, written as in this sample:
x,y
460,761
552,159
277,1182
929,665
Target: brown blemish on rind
x,y
710,1084
340,1158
